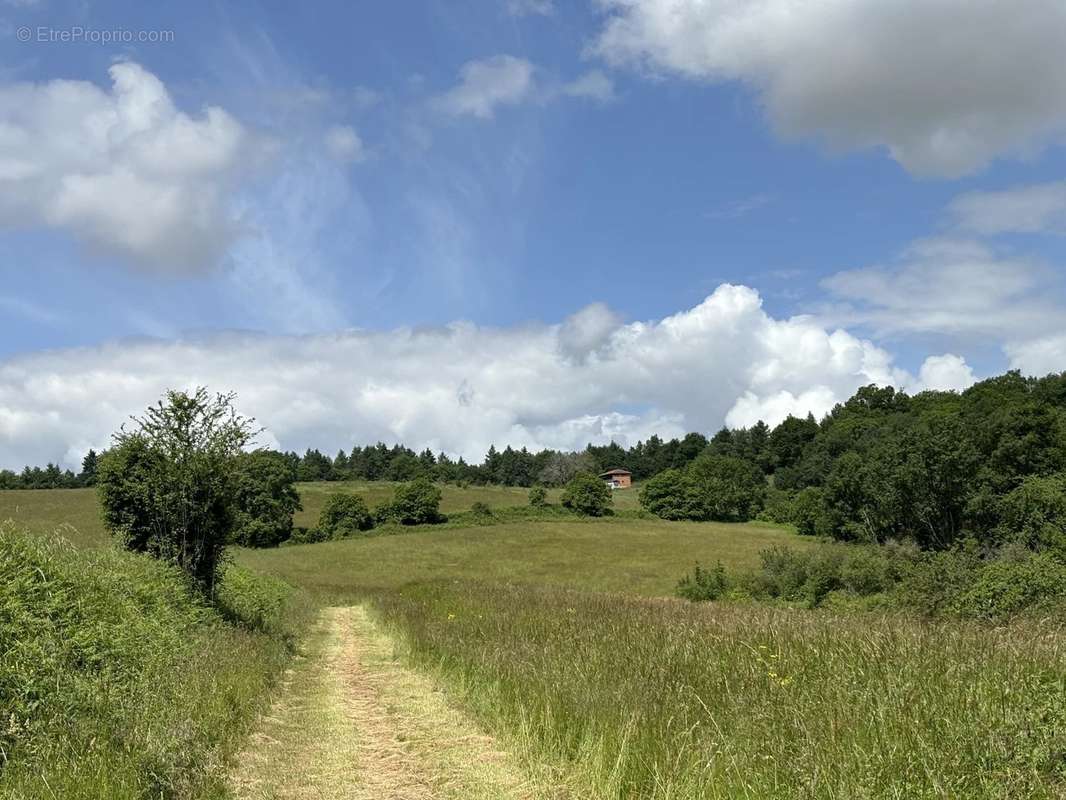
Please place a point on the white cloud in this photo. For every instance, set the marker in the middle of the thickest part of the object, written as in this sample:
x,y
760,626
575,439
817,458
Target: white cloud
x,y
1040,208
593,85
343,144
955,287
944,85
124,171
1038,356
458,388
523,8
945,373
487,84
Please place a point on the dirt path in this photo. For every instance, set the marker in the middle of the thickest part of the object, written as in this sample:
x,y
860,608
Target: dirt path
x,y
353,723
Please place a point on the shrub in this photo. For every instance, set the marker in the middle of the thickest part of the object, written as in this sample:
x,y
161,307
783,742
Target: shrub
x,y
586,494
538,497
712,487
344,515
167,488
667,495
415,503
709,584
264,498
1005,587
808,512
777,507
1034,514
308,536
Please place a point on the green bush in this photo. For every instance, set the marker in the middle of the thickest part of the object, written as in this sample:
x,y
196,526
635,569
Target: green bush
x,y
808,512
667,495
1006,587
777,507
344,515
307,536
1034,514
414,503
704,584
586,494
538,497
264,498
712,487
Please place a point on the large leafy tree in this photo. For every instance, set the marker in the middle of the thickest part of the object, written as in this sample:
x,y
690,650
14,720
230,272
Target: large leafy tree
x,y
264,497
167,486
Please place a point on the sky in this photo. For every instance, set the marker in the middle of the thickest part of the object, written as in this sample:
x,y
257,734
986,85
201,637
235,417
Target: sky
x,y
521,222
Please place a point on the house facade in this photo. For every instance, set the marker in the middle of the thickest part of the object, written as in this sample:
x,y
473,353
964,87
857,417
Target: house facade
x,y
618,478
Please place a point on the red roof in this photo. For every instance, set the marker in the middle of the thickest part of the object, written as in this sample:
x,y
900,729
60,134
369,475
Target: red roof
x,y
616,472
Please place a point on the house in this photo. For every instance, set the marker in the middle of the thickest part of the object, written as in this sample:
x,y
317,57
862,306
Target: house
x,y
618,478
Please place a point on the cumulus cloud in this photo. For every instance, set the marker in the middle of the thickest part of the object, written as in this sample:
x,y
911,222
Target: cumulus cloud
x,y
124,171
1040,208
945,373
1038,356
944,85
343,144
487,84
457,388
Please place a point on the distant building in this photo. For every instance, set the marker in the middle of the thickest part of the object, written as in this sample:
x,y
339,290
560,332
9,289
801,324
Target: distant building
x,y
618,478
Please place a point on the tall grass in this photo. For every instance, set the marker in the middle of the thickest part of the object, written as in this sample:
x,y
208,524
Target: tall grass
x,y
116,681
634,698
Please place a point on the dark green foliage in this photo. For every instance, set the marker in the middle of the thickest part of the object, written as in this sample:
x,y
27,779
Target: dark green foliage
x,y
343,515
167,488
713,487
586,494
308,536
414,503
808,512
89,465
704,584
1034,514
265,499
538,497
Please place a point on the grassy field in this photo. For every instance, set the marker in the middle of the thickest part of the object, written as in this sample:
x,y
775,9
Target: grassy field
x,y
42,511
313,496
556,636
634,556
661,699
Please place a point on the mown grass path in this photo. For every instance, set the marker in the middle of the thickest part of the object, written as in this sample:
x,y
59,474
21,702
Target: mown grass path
x,y
352,722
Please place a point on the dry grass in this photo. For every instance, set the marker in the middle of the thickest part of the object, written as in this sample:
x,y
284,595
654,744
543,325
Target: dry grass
x,y
353,723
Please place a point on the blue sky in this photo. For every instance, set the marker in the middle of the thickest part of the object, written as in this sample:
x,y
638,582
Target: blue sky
x,y
285,177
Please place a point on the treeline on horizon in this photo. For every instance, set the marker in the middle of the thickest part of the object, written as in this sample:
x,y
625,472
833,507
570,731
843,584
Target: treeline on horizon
x,y
881,464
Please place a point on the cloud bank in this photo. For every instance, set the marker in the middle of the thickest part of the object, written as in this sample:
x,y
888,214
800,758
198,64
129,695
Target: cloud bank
x,y
461,388
944,85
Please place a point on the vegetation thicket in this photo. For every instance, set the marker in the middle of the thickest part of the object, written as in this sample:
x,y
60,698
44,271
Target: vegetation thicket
x,y
586,494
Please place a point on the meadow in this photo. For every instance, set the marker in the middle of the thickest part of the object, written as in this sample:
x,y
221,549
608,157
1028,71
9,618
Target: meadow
x,y
559,636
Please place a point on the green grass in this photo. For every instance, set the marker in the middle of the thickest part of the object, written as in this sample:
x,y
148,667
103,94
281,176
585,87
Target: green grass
x,y
636,556
44,510
116,681
313,496
657,699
